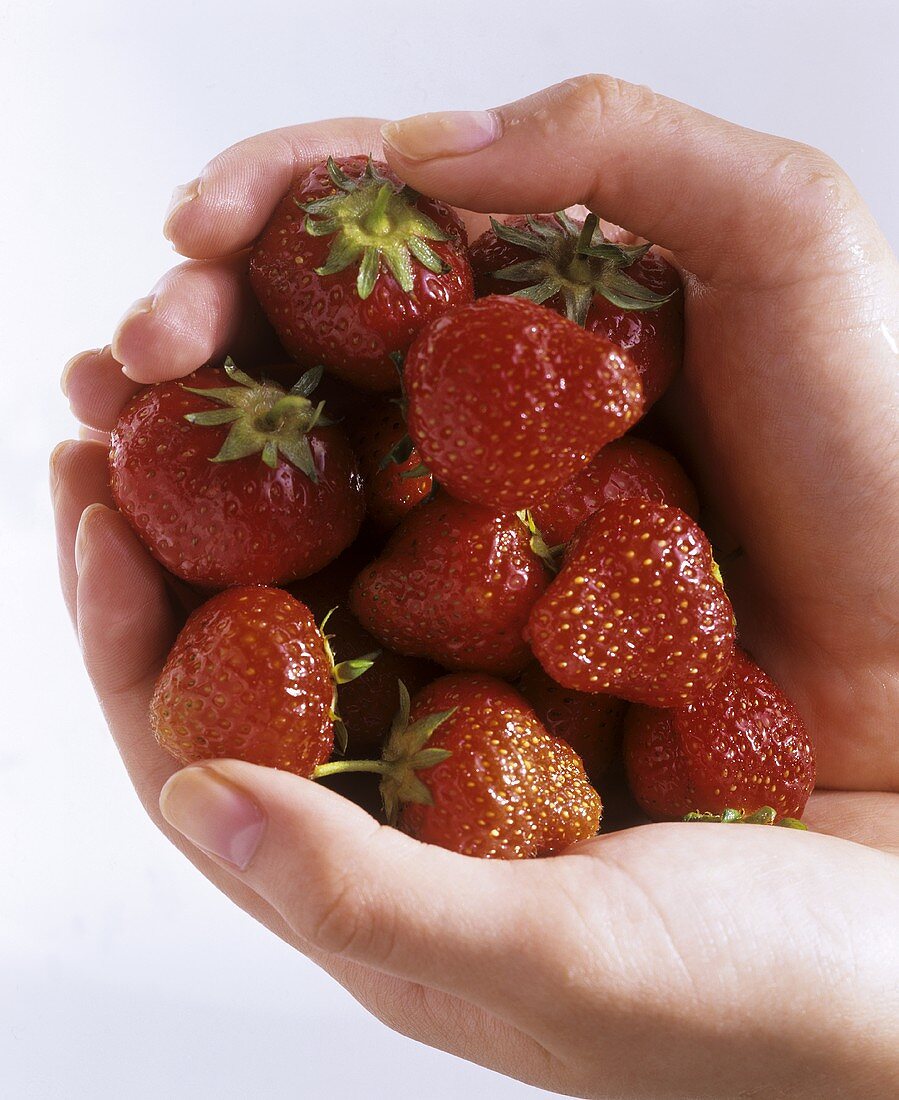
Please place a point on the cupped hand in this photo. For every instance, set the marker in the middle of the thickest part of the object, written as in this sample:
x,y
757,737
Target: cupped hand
x,y
665,960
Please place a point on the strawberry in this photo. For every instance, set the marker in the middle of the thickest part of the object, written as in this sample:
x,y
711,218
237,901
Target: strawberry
x,y
353,263
368,703
250,677
508,400
624,468
392,471
738,750
628,294
638,609
470,768
231,481
591,724
455,584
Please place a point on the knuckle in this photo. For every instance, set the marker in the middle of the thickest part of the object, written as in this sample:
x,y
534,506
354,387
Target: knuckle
x,y
811,186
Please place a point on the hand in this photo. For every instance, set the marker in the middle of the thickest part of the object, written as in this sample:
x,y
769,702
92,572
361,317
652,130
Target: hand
x,y
666,960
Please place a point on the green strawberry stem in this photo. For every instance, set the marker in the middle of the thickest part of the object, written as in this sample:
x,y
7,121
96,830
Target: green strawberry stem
x,y
405,754
377,220
765,815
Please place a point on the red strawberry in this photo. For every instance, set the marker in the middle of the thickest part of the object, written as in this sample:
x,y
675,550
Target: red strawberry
x,y
472,769
624,468
249,678
591,724
740,746
230,481
353,263
628,294
366,704
638,609
395,479
456,584
507,400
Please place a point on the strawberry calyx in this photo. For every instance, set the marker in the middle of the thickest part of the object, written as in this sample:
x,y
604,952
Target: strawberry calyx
x,y
765,815
551,556
343,672
264,418
372,218
575,262
405,754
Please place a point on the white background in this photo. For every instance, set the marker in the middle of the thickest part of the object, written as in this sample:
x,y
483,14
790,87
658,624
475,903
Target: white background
x,y
122,972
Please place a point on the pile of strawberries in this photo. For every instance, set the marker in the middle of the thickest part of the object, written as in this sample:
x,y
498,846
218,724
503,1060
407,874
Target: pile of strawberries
x,y
433,541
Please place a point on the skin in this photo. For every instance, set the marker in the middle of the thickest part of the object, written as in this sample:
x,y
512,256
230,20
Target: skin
x,y
665,960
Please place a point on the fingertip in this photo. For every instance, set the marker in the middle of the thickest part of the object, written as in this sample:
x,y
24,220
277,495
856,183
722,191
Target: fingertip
x,y
183,195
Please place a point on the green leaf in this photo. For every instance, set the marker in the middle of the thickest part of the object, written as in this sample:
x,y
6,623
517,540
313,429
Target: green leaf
x,y
427,758
323,228
400,266
213,416
427,256
520,237
237,375
540,293
421,470
577,304
341,736
419,733
428,228
240,443
343,253
320,206
567,223
792,823
399,453
270,454
307,382
298,452
347,671
368,273
338,177
527,271
623,291
542,228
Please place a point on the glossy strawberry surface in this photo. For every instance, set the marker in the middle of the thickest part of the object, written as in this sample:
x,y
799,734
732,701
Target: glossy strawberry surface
x,y
389,490
637,609
653,339
509,789
507,400
625,468
228,523
321,318
741,746
591,724
247,678
456,584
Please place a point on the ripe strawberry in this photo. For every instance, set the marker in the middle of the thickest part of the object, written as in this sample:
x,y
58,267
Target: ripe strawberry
x,y
740,746
638,609
507,400
229,481
624,468
591,724
395,479
249,677
456,584
472,769
367,704
628,294
353,263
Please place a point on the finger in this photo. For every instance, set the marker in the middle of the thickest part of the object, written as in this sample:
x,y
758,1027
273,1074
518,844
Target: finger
x,y
227,206
350,887
866,817
717,195
97,388
78,479
196,312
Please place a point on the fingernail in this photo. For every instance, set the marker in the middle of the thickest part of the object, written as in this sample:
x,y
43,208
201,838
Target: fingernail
x,y
81,537
442,134
67,369
181,196
213,813
141,306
